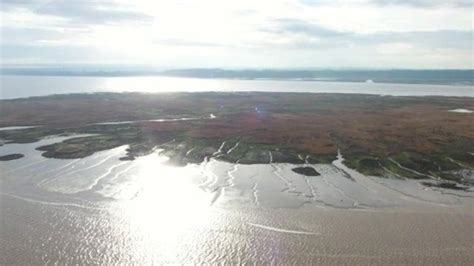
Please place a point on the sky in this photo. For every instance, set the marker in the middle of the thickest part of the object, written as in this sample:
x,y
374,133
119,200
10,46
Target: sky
x,y
420,34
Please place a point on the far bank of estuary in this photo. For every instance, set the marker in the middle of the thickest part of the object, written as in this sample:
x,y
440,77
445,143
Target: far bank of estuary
x,y
20,86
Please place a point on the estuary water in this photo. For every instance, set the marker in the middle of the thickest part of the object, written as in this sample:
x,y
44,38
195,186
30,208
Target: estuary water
x,y
100,210
19,86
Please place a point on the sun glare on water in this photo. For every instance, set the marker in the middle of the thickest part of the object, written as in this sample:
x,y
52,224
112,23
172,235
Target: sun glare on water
x,y
168,207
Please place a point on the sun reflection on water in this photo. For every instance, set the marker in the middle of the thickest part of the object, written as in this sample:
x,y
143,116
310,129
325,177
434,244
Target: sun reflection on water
x,y
168,210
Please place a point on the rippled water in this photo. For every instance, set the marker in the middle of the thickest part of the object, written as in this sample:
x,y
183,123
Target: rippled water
x,y
100,210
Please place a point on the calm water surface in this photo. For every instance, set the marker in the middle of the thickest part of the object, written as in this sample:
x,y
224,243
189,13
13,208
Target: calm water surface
x,y
25,86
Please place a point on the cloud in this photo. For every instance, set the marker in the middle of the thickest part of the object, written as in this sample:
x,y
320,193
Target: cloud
x,y
317,2
11,4
408,3
293,33
325,37
426,3
82,12
452,39
187,43
295,26
40,54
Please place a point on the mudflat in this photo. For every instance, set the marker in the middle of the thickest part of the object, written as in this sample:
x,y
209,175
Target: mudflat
x,y
402,137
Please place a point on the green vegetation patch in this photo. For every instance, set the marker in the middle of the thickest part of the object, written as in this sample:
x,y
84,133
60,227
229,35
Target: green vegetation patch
x,y
29,135
307,171
11,157
80,147
365,165
445,185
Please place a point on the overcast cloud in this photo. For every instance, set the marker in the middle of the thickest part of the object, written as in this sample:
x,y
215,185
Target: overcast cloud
x,y
267,33
426,3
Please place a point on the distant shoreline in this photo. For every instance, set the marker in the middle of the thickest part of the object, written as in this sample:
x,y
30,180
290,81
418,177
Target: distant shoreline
x,y
23,86
393,76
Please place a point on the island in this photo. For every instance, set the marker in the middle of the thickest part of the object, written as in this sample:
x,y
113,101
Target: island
x,y
306,170
11,157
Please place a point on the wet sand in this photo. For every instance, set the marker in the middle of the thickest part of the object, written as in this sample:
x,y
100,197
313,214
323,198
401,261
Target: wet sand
x,y
100,210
